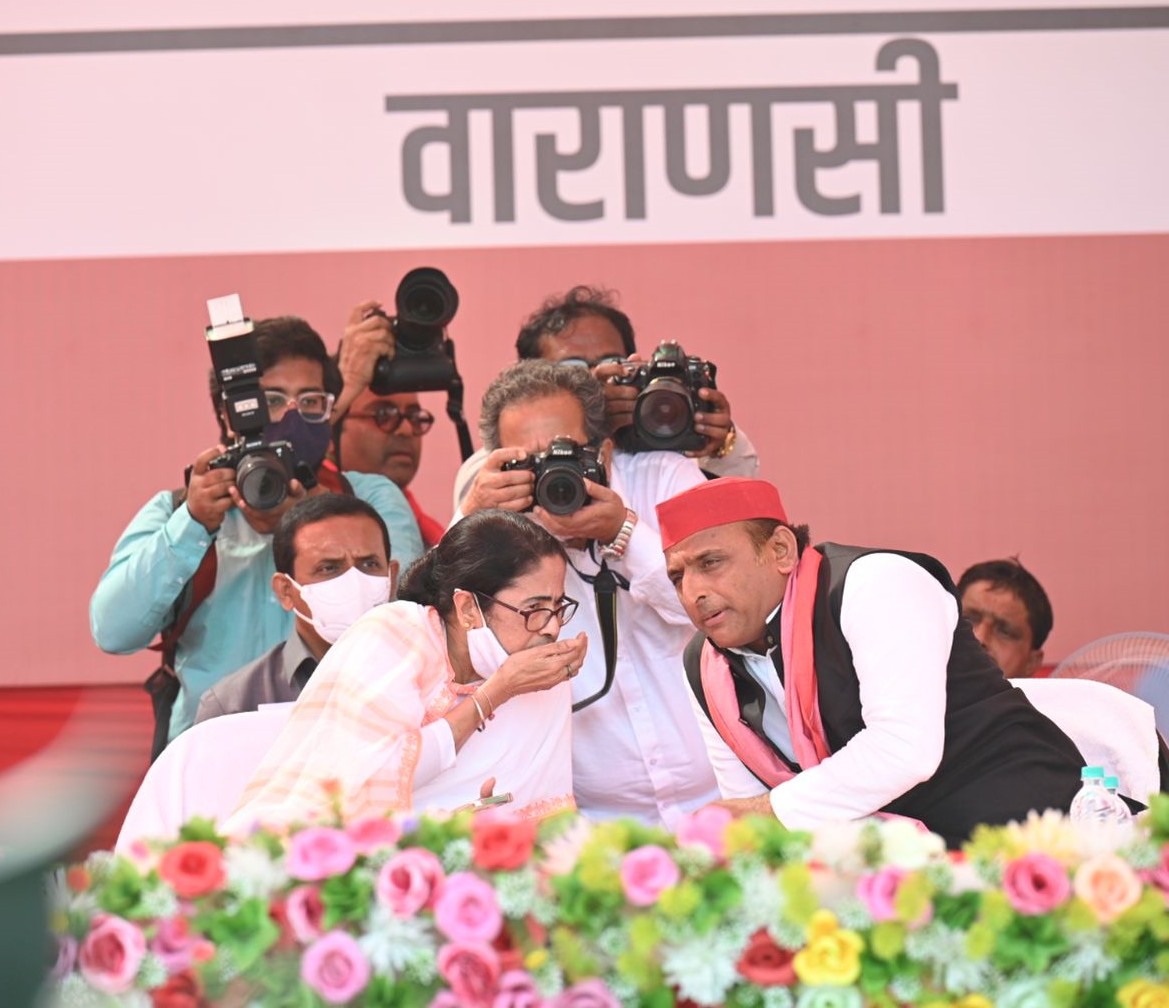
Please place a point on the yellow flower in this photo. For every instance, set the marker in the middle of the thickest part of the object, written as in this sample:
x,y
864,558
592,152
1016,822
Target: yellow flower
x,y
973,1001
535,959
1051,833
832,956
1143,994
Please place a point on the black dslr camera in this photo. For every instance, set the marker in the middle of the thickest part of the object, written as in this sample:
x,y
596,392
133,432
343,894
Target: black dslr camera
x,y
423,360
663,416
262,468
560,472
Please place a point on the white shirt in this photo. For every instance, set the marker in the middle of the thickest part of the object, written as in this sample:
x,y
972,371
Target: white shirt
x,y
638,751
899,624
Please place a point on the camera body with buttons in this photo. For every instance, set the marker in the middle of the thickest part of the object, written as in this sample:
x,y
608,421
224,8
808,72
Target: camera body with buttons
x,y
560,471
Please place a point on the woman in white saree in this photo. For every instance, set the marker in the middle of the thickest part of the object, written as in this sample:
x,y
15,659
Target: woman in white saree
x,y
423,701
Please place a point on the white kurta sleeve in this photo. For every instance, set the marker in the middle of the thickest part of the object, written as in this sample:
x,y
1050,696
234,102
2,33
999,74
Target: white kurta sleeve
x,y
437,753
899,623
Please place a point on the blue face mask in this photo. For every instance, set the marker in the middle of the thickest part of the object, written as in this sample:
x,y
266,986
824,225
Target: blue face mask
x,y
310,441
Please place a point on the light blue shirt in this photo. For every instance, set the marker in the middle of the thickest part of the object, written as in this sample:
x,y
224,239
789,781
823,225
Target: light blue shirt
x,y
159,553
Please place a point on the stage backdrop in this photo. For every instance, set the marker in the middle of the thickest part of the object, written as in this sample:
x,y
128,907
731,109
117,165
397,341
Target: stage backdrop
x,y
927,250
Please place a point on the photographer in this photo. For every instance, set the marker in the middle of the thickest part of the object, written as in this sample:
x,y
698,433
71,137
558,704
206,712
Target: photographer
x,y
585,328
162,560
636,751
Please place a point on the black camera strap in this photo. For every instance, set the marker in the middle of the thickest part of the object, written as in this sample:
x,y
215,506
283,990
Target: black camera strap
x,y
454,404
605,584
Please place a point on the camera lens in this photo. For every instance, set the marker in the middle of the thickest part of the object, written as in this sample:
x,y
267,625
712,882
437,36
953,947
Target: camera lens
x,y
426,297
262,480
561,491
663,412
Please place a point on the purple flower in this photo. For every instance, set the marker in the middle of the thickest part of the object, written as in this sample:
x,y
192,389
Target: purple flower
x,y
466,910
1036,884
335,967
319,852
66,956
645,872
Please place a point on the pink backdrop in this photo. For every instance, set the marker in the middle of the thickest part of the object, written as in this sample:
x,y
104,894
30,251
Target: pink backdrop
x,y
969,397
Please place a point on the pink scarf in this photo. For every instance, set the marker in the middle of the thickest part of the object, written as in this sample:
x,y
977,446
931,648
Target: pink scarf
x,y
800,689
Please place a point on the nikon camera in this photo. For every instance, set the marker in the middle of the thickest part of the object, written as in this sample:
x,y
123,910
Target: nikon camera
x,y
560,472
663,416
262,468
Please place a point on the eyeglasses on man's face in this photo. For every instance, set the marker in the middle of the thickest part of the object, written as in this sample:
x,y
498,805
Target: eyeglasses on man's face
x,y
389,418
585,363
537,618
313,407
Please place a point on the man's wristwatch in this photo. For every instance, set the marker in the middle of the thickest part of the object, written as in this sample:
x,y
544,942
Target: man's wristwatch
x,y
615,550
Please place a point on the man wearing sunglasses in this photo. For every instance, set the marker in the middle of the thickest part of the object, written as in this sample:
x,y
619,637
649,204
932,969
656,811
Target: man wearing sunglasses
x,y
205,542
383,434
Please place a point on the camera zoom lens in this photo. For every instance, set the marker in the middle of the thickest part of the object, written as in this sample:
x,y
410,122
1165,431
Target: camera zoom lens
x,y
424,304
262,480
561,493
663,413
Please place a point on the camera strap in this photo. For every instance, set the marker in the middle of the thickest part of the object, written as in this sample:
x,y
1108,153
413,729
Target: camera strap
x,y
454,404
605,584
163,683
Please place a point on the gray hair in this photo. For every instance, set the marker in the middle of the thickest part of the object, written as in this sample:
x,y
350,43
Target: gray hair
x,y
537,379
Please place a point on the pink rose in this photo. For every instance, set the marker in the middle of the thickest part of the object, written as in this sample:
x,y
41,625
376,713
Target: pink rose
x,y
445,999
174,944
111,954
1036,884
410,881
517,989
589,994
878,891
472,970
335,967
370,834
704,828
66,957
1108,885
466,910
305,913
318,852
645,872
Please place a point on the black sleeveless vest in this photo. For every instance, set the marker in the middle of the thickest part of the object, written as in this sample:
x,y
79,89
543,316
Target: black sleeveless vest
x,y
1001,757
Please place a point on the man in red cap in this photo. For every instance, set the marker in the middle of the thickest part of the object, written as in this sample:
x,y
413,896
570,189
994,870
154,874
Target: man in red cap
x,y
835,681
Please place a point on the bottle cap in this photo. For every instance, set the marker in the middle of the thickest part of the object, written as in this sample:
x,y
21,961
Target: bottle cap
x,y
1092,773
1111,782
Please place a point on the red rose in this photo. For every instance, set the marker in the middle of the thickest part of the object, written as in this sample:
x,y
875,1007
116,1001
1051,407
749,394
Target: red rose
x,y
193,868
766,964
502,841
179,991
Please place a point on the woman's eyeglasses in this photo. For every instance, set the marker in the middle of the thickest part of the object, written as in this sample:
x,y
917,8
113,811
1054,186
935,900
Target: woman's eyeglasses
x,y
389,418
536,619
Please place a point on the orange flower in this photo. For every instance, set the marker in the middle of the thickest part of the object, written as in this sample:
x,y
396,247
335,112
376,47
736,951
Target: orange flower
x,y
77,879
1107,885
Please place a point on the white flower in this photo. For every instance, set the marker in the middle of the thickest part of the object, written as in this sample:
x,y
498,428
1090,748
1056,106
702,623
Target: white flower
x,y
548,979
905,845
456,856
152,972
1087,961
943,950
703,969
251,871
392,943
1025,992
762,900
516,892
778,997
838,846
159,901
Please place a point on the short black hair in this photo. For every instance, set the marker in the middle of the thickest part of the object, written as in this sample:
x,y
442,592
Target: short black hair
x,y
312,510
1010,575
554,315
283,338
482,553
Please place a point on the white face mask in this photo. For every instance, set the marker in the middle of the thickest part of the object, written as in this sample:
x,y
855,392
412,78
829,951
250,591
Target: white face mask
x,y
338,603
487,654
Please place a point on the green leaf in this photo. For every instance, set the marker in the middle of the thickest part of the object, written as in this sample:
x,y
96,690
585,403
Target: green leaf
x,y
346,898
123,889
246,930
887,940
202,828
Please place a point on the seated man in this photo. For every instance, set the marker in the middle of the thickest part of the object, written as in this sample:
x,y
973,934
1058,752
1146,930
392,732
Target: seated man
x,y
637,751
585,328
207,527
836,682
332,564
1010,614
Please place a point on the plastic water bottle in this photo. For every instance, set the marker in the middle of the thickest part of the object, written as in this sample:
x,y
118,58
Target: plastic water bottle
x,y
1120,813
1092,803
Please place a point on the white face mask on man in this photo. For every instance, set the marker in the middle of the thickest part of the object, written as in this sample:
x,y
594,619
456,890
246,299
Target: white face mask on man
x,y
338,603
